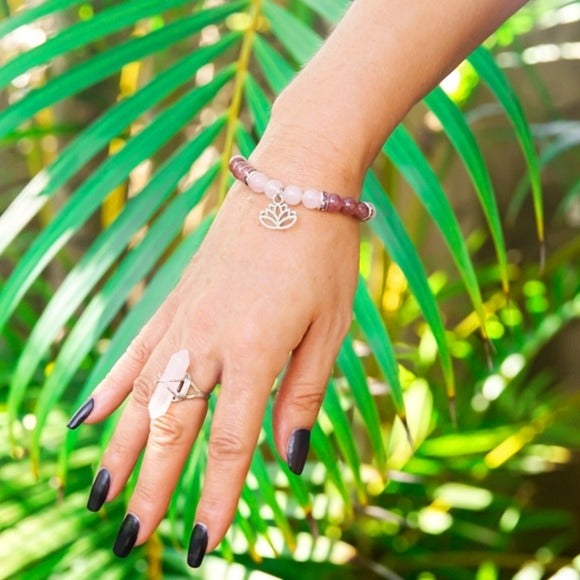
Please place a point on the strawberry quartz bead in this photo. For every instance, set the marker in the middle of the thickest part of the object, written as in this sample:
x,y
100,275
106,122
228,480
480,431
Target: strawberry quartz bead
x,y
362,211
349,206
334,202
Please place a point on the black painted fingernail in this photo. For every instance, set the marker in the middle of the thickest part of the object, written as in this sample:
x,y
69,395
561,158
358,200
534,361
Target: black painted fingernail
x,y
197,545
298,450
82,413
99,490
127,536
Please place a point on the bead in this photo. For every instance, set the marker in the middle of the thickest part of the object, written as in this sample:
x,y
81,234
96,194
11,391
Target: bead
x,y
334,202
312,199
362,211
292,194
245,172
348,206
273,188
257,181
324,202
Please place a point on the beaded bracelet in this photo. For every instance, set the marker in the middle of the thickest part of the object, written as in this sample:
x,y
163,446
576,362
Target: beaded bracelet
x,y
278,215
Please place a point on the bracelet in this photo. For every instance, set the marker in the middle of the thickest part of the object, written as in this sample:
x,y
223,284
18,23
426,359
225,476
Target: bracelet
x,y
278,215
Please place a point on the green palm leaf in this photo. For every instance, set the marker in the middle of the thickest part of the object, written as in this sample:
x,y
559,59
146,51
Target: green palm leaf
x,y
96,136
88,197
496,81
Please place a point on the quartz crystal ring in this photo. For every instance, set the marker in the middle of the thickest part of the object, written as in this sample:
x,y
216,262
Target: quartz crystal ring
x,y
185,389
173,385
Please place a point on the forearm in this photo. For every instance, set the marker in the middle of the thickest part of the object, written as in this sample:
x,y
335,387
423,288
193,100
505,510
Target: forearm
x,y
382,58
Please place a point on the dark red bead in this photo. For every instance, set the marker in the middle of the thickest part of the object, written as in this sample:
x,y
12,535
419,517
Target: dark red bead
x,y
334,202
349,206
362,211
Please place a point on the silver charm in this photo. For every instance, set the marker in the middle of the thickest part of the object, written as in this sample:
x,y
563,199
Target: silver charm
x,y
278,215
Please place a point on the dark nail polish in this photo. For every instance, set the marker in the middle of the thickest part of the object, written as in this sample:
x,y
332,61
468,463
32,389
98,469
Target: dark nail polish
x,y
298,450
197,545
99,490
82,413
127,536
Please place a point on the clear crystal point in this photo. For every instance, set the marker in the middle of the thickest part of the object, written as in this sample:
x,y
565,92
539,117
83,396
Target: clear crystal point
x,y
169,381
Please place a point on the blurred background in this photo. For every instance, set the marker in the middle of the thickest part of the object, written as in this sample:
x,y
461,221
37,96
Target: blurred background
x,y
448,445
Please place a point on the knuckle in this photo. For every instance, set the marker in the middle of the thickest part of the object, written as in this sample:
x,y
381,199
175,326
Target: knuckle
x,y
138,350
145,495
142,389
227,446
117,452
307,398
166,431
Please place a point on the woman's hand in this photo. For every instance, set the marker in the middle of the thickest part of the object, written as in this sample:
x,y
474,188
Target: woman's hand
x,y
251,302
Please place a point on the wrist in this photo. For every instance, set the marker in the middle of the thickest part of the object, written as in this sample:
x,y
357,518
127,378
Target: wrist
x,y
307,154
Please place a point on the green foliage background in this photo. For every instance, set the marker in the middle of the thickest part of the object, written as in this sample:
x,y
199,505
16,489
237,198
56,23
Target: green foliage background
x,y
125,114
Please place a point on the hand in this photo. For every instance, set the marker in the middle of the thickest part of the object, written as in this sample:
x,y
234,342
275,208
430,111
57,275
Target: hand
x,y
250,302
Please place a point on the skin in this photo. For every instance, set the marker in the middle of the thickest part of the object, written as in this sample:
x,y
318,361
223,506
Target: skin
x,y
254,301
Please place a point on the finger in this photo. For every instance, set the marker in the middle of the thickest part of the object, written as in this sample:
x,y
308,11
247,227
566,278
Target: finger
x,y
234,434
115,387
302,391
131,431
171,437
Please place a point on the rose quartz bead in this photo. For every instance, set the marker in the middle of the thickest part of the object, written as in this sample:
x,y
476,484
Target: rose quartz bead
x,y
348,206
362,211
312,198
273,188
257,181
334,202
292,194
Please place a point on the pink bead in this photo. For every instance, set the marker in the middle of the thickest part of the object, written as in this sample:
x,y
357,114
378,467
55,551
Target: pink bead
x,y
273,188
312,198
334,202
257,181
362,211
348,205
292,194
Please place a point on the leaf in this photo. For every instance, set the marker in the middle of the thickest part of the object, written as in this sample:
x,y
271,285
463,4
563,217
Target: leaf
x,y
299,40
344,436
74,156
33,13
493,76
459,133
88,197
98,259
353,370
104,64
409,159
372,326
82,33
388,227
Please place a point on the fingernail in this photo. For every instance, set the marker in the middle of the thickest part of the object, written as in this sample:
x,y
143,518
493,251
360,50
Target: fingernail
x,y
127,536
298,450
82,413
99,490
197,545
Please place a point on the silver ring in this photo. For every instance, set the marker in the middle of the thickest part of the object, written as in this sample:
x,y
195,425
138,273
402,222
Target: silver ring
x,y
186,389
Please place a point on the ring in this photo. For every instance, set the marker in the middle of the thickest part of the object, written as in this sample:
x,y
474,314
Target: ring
x,y
186,389
173,385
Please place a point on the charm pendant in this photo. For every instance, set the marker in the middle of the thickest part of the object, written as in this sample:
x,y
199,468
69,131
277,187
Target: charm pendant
x,y
278,215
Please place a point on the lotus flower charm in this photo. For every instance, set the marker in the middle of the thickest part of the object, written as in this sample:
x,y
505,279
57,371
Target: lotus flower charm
x,y
278,215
